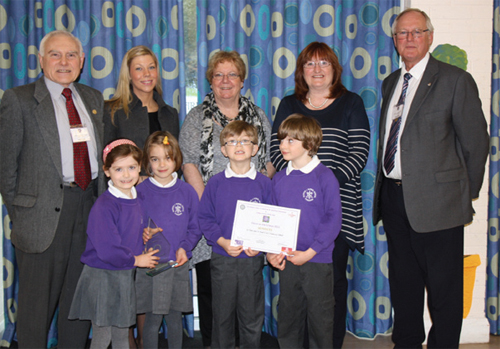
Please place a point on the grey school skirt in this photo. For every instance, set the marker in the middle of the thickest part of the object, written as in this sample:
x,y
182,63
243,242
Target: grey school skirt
x,y
170,290
106,297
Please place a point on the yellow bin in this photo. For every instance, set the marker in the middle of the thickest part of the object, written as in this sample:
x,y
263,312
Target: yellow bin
x,y
471,262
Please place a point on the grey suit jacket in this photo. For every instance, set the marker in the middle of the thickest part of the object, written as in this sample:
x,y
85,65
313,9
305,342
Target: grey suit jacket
x,y
31,181
444,146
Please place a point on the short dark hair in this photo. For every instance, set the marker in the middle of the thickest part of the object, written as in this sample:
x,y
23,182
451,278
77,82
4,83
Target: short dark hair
x,y
171,148
236,128
121,151
303,128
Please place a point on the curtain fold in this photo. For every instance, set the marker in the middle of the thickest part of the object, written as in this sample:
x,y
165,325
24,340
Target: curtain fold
x,y
492,305
107,29
269,35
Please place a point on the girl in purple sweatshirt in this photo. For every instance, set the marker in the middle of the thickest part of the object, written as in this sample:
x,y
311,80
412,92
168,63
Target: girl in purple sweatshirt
x,y
173,206
105,293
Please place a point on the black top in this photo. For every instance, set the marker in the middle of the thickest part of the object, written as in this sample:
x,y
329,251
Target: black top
x,y
154,123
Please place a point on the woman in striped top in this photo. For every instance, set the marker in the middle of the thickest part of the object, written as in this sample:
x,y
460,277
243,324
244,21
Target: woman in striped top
x,y
320,94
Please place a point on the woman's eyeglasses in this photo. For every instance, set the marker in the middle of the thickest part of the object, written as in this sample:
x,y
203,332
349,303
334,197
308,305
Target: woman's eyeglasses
x,y
312,64
230,76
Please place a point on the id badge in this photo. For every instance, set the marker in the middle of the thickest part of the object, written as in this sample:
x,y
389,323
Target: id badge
x,y
397,112
80,134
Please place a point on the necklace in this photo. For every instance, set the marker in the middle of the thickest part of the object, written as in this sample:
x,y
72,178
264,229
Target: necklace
x,y
317,107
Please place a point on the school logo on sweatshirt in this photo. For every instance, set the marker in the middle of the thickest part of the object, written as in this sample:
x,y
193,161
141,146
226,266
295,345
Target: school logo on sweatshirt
x,y
309,194
257,200
178,209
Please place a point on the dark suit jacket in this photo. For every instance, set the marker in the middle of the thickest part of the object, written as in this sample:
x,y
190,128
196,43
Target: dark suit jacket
x,y
31,180
444,147
136,126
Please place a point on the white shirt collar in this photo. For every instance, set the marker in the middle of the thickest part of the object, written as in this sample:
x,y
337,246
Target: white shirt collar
x,y
168,185
311,165
252,173
56,89
119,194
418,69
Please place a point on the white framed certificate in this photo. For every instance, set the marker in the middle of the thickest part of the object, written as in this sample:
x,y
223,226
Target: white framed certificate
x,y
265,228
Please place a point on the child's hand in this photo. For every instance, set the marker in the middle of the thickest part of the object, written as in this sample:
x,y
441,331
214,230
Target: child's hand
x,y
233,251
146,260
251,253
277,260
301,257
148,233
181,257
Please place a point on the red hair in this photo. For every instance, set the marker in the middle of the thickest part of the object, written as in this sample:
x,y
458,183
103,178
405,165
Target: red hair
x,y
324,52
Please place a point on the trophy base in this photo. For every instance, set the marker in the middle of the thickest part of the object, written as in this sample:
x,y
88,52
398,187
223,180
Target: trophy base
x,y
160,268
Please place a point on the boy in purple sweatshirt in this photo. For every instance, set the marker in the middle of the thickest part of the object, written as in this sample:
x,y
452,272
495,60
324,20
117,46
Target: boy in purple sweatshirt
x,y
237,282
306,275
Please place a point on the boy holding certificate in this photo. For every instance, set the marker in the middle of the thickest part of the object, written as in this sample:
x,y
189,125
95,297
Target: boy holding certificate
x,y
237,282
306,275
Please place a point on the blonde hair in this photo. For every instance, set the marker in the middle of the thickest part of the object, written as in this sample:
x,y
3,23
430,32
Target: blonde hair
x,y
123,94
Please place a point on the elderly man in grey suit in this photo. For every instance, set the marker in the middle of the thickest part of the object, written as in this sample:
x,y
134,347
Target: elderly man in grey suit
x,y
50,142
432,151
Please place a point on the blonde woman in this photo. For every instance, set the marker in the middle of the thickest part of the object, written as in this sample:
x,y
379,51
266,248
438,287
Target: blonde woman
x,y
137,109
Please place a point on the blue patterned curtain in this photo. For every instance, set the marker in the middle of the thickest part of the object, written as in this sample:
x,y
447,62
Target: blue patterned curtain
x,y
493,279
107,29
269,35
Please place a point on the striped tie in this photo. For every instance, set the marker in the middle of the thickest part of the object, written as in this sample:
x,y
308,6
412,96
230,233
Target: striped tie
x,y
392,140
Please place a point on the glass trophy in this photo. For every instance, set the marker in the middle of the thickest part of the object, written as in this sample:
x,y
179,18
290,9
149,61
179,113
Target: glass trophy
x,y
160,243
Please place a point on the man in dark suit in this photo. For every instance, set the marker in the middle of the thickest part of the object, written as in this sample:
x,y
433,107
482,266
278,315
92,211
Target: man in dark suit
x,y
50,143
432,152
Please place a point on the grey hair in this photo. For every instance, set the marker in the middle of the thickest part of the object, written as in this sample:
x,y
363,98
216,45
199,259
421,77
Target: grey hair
x,y
55,33
427,19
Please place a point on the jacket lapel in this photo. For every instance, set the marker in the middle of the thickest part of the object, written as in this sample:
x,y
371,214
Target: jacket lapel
x,y
428,79
46,118
387,95
95,115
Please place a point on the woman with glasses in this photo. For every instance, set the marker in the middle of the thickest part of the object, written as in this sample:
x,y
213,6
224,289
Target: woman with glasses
x,y
319,93
200,145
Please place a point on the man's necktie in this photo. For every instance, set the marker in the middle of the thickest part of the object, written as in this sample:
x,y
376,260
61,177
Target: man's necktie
x,y
81,161
392,140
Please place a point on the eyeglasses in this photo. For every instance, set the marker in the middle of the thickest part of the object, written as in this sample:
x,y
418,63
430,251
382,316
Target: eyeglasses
x,y
230,76
234,142
321,64
416,33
